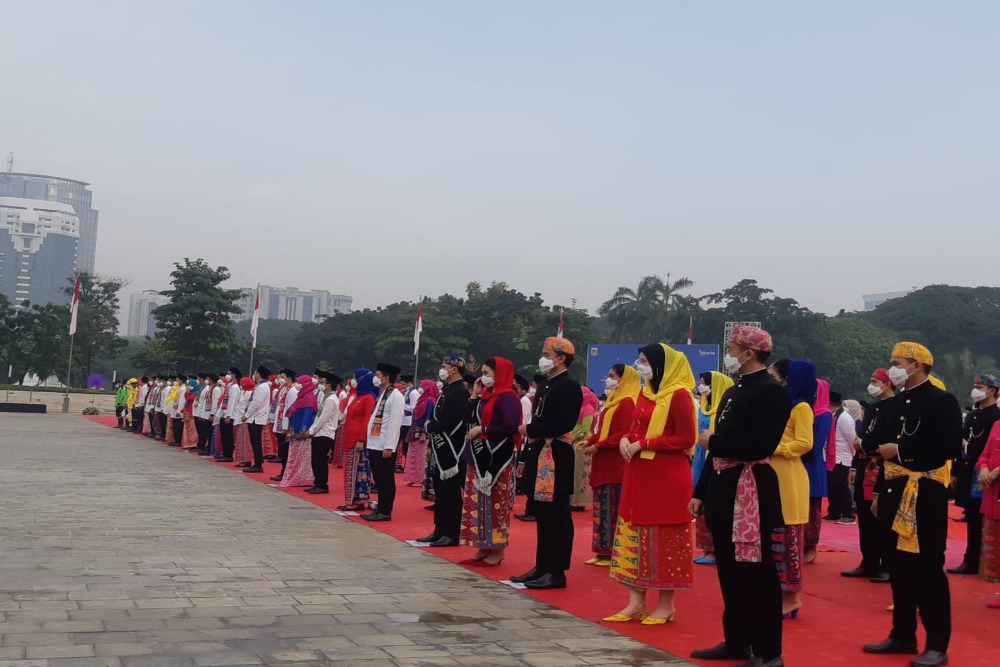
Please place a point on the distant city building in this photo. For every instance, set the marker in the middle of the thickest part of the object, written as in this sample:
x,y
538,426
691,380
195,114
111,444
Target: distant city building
x,y
873,301
38,250
289,303
64,191
141,321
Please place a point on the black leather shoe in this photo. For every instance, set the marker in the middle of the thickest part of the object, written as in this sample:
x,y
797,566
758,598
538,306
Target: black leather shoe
x,y
253,469
225,459
856,572
316,490
276,478
964,568
377,516
892,646
533,573
880,578
433,537
245,464
444,542
429,507
720,652
547,581
524,517
930,659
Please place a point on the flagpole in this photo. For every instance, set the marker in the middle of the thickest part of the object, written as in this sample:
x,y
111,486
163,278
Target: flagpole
x,y
73,311
416,352
69,370
253,334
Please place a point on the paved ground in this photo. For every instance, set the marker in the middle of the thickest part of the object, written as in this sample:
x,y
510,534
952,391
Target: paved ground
x,y
115,551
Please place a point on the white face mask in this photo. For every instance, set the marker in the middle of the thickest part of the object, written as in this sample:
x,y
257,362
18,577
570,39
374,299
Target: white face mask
x,y
377,381
531,392
898,375
440,385
610,384
297,386
443,374
978,395
321,387
645,370
354,384
545,365
420,391
487,380
731,363
281,381
704,390
229,378
874,390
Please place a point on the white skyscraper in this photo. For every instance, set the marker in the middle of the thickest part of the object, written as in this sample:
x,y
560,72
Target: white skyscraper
x,y
141,321
289,303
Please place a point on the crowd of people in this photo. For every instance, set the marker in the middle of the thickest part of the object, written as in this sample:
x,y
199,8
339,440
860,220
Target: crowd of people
x,y
748,455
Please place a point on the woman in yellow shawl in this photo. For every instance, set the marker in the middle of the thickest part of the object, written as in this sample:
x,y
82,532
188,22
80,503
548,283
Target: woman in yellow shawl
x,y
652,547
712,387
622,387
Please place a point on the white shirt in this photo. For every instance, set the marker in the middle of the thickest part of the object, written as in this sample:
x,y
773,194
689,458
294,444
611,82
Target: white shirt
x,y
161,405
525,409
326,423
143,392
409,405
392,421
259,405
845,438
177,410
282,418
233,402
149,399
213,401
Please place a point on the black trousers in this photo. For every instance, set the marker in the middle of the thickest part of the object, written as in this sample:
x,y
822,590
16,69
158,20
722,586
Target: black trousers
x,y
137,420
751,593
282,451
120,412
919,582
974,526
448,503
841,502
228,443
384,474
872,556
256,432
554,534
161,418
403,430
204,429
321,448
178,429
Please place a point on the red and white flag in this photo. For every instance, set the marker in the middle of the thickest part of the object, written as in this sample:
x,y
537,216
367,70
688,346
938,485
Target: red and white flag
x,y
256,318
691,330
417,329
562,329
75,308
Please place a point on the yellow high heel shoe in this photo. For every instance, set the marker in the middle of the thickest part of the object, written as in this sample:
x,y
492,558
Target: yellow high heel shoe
x,y
603,562
592,561
653,620
625,618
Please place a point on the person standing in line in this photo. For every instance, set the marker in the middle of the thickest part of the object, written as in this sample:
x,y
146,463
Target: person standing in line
x,y
841,508
711,389
357,469
988,474
230,403
189,439
529,504
652,547
799,380
583,494
548,466
912,505
447,428
152,400
416,435
739,495
139,412
410,397
815,462
623,386
868,470
968,490
256,415
301,414
287,395
121,399
383,438
324,432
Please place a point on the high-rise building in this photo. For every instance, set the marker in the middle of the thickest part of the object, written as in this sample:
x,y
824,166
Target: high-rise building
x,y
873,301
289,303
64,191
141,321
38,250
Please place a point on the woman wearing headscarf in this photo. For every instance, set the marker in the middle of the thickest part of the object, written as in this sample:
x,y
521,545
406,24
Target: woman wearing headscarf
x,y
712,387
583,495
987,475
357,469
189,439
172,393
622,387
242,452
653,541
799,380
488,496
815,463
416,436
298,470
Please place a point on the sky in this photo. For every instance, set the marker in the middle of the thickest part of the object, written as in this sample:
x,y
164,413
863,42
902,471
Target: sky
x,y
388,150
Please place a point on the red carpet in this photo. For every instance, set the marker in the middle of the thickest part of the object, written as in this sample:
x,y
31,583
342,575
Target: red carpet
x,y
838,617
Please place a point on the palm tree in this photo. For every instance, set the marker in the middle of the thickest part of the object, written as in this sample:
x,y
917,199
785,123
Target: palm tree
x,y
643,314
958,369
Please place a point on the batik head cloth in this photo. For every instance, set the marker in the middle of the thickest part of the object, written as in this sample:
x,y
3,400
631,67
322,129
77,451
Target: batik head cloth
x,y
751,338
882,375
453,360
988,379
915,351
560,345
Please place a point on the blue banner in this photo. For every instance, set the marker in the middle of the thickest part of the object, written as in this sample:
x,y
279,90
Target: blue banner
x,y
600,359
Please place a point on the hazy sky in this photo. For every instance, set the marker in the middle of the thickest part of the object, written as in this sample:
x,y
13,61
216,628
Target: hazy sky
x,y
397,148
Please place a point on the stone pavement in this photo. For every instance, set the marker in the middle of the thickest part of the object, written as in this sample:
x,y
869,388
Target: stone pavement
x,y
120,552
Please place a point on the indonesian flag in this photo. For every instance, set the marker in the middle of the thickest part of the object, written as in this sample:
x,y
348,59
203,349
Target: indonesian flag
x,y
417,329
561,330
256,318
75,308
691,330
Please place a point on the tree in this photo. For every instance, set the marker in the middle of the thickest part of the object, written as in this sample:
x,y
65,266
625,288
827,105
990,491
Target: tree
x,y
849,351
644,314
97,322
959,369
196,327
